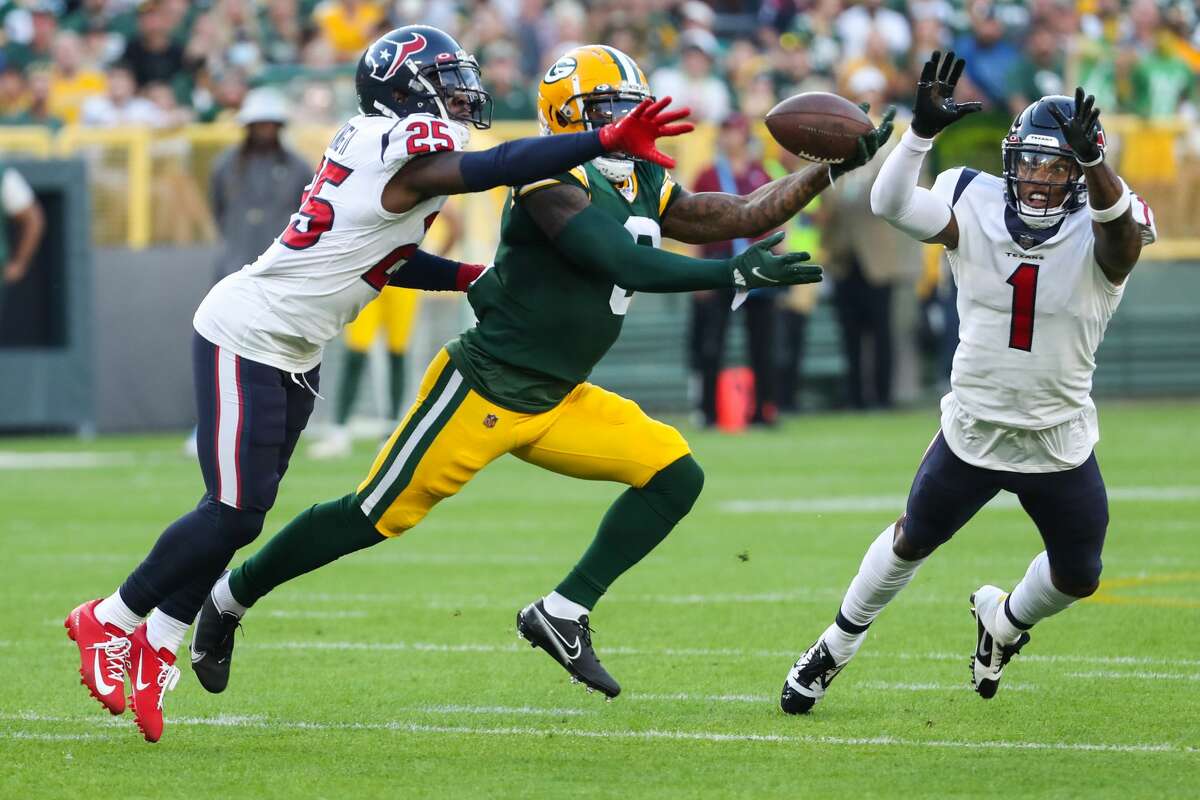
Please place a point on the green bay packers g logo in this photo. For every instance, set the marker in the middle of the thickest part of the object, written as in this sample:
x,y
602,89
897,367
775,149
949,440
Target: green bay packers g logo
x,y
562,68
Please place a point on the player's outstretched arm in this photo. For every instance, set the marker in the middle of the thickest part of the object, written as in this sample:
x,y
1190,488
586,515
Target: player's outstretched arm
x,y
1118,237
895,195
594,241
533,158
432,273
717,216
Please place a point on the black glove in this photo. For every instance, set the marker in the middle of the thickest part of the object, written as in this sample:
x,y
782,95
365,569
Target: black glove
x,y
756,266
935,108
1081,131
868,144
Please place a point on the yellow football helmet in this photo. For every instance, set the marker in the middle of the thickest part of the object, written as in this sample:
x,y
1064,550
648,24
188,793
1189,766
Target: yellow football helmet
x,y
587,88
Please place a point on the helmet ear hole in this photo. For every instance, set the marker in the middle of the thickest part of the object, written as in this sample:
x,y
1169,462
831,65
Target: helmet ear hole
x,y
561,118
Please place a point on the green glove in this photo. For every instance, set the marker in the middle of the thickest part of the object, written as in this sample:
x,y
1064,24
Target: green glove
x,y
868,144
757,267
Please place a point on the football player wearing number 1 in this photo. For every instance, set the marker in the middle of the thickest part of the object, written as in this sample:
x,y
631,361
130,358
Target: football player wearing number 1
x,y
1041,257
573,250
260,332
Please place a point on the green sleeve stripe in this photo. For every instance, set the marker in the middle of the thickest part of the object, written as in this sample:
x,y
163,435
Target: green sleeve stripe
x,y
620,64
428,433
415,421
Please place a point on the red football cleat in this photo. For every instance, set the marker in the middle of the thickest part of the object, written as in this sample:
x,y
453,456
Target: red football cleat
x,y
102,652
152,673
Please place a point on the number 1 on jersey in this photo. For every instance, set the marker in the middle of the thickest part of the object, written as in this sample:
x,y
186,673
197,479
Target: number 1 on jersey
x,y
1024,282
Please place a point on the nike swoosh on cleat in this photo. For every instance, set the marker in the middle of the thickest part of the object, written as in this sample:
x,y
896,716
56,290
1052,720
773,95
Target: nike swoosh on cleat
x,y
138,682
762,277
101,686
984,658
576,646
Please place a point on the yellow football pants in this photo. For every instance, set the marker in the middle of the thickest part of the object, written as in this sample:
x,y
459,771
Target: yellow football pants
x,y
451,432
395,310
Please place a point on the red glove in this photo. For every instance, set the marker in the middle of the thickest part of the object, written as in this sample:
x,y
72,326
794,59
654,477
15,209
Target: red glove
x,y
468,274
634,134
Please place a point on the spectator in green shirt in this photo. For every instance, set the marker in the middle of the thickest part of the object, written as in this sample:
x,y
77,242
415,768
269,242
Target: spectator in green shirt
x,y
1161,81
1040,73
512,98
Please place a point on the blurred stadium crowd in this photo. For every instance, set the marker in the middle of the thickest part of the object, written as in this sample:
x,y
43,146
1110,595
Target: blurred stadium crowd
x,y
176,109
167,62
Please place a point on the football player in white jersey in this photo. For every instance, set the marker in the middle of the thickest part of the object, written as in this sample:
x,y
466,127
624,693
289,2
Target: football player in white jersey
x,y
1041,256
260,332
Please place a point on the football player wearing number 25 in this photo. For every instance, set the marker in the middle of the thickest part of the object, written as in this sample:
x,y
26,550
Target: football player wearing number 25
x,y
1038,280
574,248
259,334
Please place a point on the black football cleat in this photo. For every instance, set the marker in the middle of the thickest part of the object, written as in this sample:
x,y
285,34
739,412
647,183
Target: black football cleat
x,y
569,643
808,679
212,645
989,658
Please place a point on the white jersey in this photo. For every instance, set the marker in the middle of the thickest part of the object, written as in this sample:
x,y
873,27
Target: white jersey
x,y
337,252
1033,306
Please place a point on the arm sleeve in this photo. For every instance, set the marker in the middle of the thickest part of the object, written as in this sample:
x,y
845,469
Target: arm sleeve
x,y
896,197
435,274
526,160
15,192
598,244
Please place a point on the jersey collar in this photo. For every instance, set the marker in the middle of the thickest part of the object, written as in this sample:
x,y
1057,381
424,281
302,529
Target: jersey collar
x,y
1025,236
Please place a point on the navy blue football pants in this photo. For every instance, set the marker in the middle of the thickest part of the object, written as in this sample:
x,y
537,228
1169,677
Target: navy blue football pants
x,y
250,417
1070,508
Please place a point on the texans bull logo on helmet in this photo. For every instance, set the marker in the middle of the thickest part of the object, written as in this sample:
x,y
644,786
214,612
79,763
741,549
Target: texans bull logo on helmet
x,y
387,55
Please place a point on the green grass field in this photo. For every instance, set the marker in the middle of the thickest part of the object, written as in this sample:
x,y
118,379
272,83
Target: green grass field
x,y
396,672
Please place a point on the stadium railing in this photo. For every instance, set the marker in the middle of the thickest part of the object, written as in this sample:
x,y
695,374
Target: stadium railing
x,y
149,187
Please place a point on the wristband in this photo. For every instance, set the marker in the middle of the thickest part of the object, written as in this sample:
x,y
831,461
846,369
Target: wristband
x,y
1114,211
1099,159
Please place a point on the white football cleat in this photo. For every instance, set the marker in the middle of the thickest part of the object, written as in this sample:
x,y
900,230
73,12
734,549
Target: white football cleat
x,y
990,656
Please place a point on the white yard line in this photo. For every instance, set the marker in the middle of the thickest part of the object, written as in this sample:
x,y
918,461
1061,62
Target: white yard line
x,y
707,652
852,504
54,737
1154,676
400,726
883,686
66,459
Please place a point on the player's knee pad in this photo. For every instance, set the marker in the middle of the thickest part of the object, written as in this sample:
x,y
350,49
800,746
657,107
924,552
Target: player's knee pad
x,y
240,526
673,490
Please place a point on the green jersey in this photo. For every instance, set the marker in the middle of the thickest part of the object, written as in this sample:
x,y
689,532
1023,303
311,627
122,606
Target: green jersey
x,y
543,321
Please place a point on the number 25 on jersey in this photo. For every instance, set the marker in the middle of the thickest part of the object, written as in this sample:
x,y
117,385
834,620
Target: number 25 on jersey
x,y
316,213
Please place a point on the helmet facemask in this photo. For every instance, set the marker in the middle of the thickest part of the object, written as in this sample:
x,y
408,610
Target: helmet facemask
x,y
601,107
455,88
1042,182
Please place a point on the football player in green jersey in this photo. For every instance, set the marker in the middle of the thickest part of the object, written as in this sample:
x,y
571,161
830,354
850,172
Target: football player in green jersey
x,y
573,250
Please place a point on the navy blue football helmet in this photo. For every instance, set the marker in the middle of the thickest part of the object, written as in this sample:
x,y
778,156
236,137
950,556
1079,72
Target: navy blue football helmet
x,y
420,69
1035,141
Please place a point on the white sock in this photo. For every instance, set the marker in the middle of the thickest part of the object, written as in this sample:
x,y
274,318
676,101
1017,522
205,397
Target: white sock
x,y
223,598
880,577
559,606
1034,599
842,645
163,631
113,611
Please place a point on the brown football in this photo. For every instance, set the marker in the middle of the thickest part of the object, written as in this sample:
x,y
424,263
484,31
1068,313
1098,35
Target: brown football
x,y
818,126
